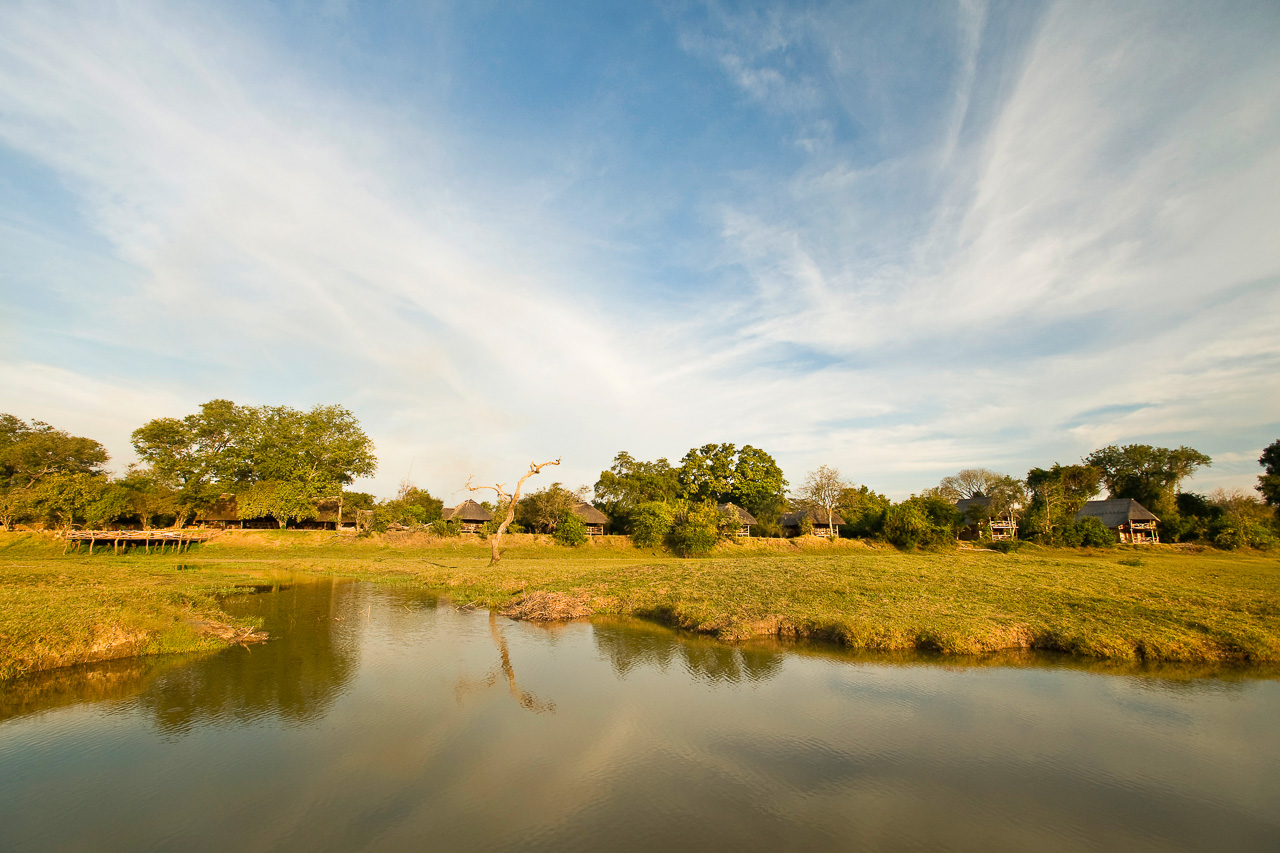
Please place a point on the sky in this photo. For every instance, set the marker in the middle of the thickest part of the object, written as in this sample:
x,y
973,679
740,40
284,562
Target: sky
x,y
894,238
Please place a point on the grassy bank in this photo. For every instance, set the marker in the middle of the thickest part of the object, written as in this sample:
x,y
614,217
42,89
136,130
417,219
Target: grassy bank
x,y
1160,604
57,611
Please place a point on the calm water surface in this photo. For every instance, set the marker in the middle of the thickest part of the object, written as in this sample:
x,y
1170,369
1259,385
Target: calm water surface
x,y
376,720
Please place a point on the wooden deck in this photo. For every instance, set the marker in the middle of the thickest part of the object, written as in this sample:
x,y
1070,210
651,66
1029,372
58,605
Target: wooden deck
x,y
177,541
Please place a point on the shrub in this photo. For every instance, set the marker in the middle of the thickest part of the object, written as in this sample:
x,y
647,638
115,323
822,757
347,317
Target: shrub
x,y
905,525
651,522
1092,533
1007,546
696,530
452,527
571,530
1243,533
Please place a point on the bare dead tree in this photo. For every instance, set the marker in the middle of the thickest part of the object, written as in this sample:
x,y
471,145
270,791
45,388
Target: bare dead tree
x,y
500,491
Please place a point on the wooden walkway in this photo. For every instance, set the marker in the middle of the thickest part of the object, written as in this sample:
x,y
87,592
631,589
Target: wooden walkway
x,y
176,540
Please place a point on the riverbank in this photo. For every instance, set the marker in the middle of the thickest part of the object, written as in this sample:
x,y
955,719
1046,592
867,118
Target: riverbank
x,y
1151,604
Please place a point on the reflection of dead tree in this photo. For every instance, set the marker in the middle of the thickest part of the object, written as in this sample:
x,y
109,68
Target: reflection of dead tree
x,y
510,500
526,700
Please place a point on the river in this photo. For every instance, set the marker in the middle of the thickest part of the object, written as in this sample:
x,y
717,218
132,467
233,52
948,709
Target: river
x,y
377,718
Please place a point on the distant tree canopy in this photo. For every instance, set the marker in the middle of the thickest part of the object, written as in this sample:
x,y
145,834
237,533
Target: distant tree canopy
x,y
283,451
47,473
1057,494
1007,495
713,473
1148,475
546,509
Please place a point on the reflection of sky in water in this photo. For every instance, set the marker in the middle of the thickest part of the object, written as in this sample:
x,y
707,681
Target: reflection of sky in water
x,y
375,720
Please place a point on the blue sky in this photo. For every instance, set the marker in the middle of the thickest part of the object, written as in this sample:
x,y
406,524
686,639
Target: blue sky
x,y
899,239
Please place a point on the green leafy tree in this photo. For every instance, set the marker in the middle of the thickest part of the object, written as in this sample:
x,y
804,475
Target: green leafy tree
x,y
863,511
928,521
38,464
696,528
1269,480
570,530
758,485
1057,494
201,454
629,483
544,510
283,500
706,473
65,500
1148,475
651,522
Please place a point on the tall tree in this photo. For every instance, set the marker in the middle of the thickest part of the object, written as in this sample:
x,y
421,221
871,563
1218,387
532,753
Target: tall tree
x,y
1058,493
758,484
43,470
1269,480
543,511
1148,475
706,473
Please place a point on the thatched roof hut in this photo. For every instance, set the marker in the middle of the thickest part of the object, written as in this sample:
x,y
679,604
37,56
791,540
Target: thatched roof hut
x,y
791,522
1129,520
745,519
470,513
594,519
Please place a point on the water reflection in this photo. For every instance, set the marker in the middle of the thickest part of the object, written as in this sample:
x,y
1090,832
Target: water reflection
x,y
295,676
523,698
632,643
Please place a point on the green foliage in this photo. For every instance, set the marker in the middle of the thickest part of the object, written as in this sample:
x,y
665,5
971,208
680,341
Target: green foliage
x,y
571,530
440,527
928,521
410,507
650,523
284,501
43,473
1148,475
716,473
1007,546
630,483
225,447
544,510
863,511
1088,532
696,529
1057,494
1237,532
1269,480
805,527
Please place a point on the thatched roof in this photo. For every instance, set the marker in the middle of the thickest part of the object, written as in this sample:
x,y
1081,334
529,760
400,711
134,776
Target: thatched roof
x,y
468,510
223,509
817,516
965,504
1116,511
743,516
589,514
327,510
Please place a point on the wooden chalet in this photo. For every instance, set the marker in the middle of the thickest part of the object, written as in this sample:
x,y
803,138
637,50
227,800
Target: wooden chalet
x,y
1129,520
974,509
594,519
822,526
745,519
471,514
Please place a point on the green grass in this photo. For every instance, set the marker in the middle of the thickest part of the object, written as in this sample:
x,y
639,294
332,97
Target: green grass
x,y
1153,604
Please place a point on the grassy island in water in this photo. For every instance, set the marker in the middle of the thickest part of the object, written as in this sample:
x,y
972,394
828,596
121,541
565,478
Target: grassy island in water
x,y
1161,603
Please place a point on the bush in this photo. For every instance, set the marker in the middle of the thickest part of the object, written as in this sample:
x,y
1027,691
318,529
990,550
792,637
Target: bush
x,y
696,530
905,526
571,530
1244,533
1007,546
1092,533
651,522
452,527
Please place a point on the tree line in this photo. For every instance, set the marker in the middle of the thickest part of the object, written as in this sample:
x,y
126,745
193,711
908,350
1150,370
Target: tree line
x,y
280,461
